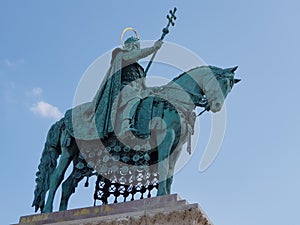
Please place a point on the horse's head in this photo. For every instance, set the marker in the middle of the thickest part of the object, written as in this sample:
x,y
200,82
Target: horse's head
x,y
217,86
207,87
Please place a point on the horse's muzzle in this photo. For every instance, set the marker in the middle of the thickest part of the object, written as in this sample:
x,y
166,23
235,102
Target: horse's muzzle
x,y
216,107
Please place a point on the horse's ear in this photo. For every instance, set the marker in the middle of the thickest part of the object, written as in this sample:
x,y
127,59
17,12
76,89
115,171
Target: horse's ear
x,y
233,69
237,80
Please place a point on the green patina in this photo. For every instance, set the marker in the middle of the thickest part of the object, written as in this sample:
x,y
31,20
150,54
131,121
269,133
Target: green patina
x,y
118,132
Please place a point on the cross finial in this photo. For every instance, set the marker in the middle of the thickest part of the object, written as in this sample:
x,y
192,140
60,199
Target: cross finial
x,y
171,18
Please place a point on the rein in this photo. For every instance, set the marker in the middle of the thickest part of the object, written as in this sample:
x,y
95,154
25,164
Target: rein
x,y
203,111
201,97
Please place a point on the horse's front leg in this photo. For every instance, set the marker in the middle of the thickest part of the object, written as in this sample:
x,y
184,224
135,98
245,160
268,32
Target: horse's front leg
x,y
164,150
172,163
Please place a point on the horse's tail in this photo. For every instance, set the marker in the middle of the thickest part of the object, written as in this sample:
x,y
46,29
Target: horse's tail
x,y
47,164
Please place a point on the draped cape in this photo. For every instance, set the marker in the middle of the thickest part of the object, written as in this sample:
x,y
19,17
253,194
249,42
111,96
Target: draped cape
x,y
95,119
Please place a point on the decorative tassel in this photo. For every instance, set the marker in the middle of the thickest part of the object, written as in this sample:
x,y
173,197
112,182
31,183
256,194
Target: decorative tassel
x,y
189,143
86,184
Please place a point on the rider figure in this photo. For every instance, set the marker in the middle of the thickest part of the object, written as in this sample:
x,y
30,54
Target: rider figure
x,y
124,84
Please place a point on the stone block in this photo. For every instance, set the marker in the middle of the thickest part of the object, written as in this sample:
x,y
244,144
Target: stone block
x,y
162,210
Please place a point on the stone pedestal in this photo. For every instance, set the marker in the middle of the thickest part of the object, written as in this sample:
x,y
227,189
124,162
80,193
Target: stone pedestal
x,y
163,210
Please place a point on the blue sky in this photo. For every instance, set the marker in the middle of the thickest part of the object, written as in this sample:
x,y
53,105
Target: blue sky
x,y
45,47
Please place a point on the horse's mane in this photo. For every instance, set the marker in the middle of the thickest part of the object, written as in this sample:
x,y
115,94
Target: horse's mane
x,y
198,67
184,73
215,70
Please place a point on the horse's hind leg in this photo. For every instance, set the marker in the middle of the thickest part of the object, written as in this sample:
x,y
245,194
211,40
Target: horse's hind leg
x,y
57,177
68,186
67,154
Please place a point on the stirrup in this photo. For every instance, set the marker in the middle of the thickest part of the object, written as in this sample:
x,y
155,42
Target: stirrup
x,y
128,132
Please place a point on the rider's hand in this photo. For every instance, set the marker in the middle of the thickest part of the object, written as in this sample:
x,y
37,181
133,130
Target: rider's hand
x,y
157,45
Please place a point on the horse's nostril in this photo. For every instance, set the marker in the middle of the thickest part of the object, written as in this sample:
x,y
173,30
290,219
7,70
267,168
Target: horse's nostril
x,y
218,105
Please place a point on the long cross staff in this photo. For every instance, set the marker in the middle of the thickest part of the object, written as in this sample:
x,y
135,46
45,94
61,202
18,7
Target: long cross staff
x,y
165,31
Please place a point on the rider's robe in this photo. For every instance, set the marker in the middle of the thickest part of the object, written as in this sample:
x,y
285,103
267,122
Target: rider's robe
x,y
93,120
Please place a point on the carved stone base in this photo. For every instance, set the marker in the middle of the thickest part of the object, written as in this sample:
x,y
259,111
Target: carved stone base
x,y
163,210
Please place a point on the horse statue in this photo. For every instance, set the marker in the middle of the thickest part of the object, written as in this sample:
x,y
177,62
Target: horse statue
x,y
164,122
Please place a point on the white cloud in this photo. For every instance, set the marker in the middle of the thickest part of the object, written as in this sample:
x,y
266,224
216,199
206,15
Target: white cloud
x,y
46,110
10,63
36,92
